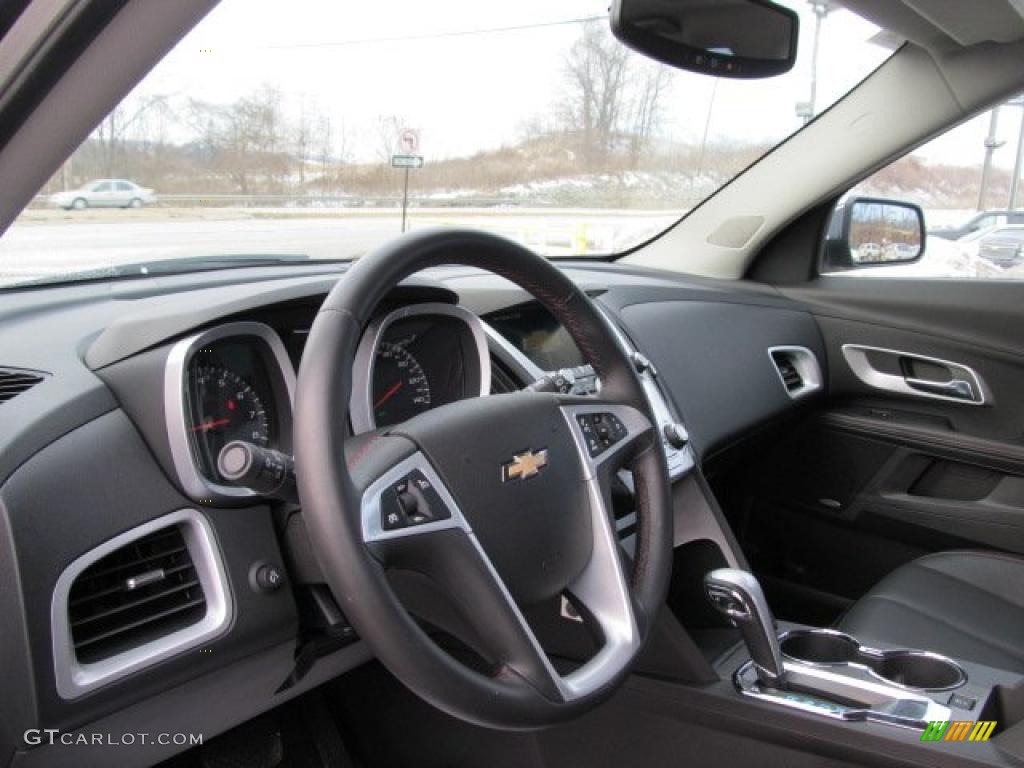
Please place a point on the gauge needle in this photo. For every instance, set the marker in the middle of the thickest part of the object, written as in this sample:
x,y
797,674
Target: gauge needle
x,y
206,426
392,390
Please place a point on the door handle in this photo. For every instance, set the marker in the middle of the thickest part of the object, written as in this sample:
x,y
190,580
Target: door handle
x,y
958,388
892,370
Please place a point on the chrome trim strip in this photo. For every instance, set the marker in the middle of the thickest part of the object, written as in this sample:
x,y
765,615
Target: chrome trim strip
x,y
176,405
361,403
679,460
878,703
74,678
856,356
806,364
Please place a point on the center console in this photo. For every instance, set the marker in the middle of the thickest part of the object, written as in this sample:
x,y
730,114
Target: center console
x,y
834,675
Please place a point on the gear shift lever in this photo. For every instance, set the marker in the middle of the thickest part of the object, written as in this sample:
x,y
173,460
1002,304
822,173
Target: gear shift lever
x,y
738,595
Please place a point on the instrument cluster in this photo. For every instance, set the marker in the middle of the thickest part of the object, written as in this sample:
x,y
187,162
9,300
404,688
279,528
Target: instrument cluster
x,y
236,382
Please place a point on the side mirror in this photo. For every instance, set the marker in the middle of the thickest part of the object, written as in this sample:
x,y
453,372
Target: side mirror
x,y
869,232
724,38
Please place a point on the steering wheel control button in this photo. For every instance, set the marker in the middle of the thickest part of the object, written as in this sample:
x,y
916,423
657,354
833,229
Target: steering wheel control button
x,y
392,513
600,431
413,500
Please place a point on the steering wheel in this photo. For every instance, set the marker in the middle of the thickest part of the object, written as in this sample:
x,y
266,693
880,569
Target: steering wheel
x,y
501,501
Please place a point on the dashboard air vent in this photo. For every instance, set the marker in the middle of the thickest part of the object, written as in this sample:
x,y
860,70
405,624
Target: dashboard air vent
x,y
139,592
13,382
788,371
798,370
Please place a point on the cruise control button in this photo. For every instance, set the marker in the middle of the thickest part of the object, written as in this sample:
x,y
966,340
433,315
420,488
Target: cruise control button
x,y
392,515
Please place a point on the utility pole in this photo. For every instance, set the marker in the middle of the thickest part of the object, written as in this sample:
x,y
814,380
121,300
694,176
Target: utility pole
x,y
807,109
991,145
1015,179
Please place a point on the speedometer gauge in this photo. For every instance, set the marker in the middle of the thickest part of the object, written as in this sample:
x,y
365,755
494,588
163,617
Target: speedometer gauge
x,y
400,387
224,408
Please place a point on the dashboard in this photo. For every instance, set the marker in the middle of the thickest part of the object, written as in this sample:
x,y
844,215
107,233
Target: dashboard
x,y
141,385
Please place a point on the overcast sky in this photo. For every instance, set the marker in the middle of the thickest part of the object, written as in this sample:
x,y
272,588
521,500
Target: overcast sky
x,y
475,91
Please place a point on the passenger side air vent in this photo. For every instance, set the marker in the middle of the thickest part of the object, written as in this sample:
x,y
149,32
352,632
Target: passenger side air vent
x,y
798,370
13,382
787,370
141,591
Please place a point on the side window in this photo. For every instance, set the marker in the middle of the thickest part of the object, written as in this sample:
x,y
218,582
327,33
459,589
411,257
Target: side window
x,y
124,186
967,183
101,187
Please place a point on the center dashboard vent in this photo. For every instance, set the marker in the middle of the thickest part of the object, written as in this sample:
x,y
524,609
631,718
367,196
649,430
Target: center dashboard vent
x,y
798,370
14,381
144,590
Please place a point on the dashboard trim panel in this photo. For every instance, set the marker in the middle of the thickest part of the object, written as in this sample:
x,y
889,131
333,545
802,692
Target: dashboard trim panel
x,y
195,485
361,404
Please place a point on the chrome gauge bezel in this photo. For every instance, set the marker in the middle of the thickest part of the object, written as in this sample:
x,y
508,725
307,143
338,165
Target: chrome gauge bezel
x,y
177,407
361,403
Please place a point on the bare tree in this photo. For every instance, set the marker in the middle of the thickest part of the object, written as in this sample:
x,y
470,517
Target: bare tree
x,y
649,83
112,134
244,140
596,77
610,96
325,145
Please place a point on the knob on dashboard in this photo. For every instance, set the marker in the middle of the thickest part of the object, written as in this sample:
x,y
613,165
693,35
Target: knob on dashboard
x,y
676,435
641,363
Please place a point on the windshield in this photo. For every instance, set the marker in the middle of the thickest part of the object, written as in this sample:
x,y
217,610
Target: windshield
x,y
297,131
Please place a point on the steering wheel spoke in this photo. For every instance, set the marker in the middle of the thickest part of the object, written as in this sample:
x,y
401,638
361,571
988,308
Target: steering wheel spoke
x,y
410,521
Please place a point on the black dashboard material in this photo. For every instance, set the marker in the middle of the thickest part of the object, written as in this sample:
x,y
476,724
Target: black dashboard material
x,y
86,455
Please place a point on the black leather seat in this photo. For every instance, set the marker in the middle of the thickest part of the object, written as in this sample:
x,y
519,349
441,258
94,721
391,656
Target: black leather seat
x,y
966,605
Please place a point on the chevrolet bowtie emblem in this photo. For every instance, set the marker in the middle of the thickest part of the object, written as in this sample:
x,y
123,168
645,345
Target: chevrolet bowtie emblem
x,y
524,465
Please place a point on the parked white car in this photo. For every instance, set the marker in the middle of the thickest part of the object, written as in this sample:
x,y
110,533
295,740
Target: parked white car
x,y
104,193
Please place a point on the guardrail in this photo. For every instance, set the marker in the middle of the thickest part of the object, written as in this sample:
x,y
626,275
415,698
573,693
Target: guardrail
x,y
590,201
316,201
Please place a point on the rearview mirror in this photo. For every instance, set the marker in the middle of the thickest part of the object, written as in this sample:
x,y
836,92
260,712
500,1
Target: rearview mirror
x,y
871,232
725,38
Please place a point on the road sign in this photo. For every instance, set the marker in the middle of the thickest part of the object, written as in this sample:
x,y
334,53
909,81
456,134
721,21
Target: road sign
x,y
410,141
406,161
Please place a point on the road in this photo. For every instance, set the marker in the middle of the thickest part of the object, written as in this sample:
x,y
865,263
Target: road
x,y
45,243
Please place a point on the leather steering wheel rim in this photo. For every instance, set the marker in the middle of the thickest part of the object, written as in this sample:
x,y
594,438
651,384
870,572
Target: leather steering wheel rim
x,y
339,479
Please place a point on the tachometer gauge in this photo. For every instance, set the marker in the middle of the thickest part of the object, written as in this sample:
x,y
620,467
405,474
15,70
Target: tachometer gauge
x,y
224,408
400,387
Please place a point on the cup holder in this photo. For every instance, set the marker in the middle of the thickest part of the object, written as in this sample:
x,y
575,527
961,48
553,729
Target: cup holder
x,y
908,669
821,647
917,669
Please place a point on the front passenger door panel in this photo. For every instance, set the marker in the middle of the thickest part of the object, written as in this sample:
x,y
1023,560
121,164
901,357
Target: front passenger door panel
x,y
920,448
